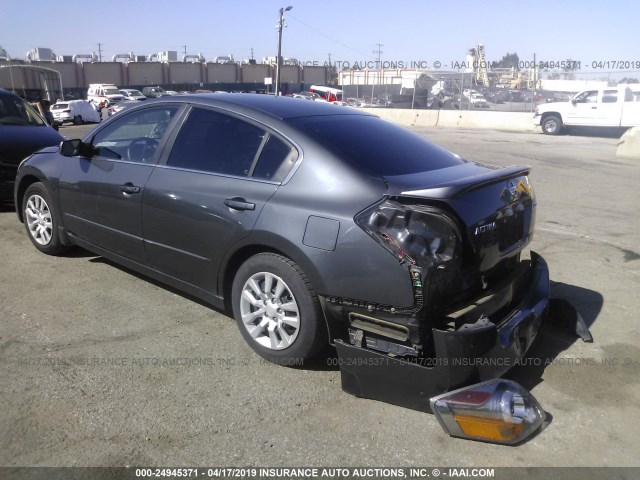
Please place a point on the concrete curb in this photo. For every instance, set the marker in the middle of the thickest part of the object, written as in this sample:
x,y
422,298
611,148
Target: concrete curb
x,y
511,121
629,144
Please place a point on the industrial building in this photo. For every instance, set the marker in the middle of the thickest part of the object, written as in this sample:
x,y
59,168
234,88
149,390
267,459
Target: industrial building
x,y
128,70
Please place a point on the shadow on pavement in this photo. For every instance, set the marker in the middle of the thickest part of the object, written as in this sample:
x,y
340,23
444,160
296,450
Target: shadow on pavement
x,y
598,132
558,332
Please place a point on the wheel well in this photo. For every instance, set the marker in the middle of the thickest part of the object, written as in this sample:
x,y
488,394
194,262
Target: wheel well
x,y
237,259
241,256
25,183
548,114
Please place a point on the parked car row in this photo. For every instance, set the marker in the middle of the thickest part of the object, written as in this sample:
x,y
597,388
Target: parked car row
x,y
132,94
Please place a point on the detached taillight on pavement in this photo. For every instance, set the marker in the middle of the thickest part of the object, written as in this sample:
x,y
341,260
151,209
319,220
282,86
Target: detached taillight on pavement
x,y
498,411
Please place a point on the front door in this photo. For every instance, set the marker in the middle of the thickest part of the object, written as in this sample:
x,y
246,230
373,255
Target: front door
x,y
101,196
583,109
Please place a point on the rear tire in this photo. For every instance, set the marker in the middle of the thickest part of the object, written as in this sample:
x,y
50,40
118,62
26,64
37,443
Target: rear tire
x,y
41,220
551,125
277,310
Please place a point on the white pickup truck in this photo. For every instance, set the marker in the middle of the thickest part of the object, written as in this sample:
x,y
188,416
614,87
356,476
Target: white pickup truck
x,y
476,99
608,107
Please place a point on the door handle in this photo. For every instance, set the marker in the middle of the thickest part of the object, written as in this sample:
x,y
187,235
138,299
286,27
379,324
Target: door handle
x,y
594,108
239,204
130,188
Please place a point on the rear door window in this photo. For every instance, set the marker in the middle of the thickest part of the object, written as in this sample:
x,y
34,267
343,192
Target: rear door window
x,y
610,96
214,142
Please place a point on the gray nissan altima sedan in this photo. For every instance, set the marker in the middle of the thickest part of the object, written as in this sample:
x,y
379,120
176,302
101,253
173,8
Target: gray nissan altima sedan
x,y
313,224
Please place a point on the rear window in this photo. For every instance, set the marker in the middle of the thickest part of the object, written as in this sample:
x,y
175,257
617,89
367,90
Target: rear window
x,y
59,106
377,147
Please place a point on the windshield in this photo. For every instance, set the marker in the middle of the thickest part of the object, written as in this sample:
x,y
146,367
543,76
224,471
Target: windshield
x,y
15,111
135,93
376,146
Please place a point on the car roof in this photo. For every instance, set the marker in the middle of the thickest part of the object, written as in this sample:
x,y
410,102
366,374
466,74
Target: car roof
x,y
7,92
277,107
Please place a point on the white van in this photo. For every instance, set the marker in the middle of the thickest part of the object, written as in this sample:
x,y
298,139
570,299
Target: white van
x,y
104,94
76,111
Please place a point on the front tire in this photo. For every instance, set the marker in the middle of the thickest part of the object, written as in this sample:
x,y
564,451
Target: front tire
x,y
77,120
41,221
551,125
277,310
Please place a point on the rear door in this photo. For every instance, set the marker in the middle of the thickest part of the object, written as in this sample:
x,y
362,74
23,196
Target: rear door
x,y
609,108
209,193
101,196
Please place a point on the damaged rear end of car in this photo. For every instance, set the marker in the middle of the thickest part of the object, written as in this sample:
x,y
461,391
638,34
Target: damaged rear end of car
x,y
475,296
464,299
460,233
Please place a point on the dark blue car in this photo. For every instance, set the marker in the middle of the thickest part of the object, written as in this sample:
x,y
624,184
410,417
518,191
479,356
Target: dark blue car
x,y
22,132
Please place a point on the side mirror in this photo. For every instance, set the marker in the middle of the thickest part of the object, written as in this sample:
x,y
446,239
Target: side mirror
x,y
75,147
574,101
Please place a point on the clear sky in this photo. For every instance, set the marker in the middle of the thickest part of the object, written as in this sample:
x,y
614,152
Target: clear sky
x,y
409,30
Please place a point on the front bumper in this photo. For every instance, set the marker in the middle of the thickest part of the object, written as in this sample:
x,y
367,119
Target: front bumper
x,y
462,357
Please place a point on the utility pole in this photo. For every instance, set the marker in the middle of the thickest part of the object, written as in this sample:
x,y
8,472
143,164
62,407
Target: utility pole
x,y
279,58
535,83
379,52
331,77
99,52
185,50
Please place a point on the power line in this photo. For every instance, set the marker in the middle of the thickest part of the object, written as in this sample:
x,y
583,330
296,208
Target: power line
x,y
327,36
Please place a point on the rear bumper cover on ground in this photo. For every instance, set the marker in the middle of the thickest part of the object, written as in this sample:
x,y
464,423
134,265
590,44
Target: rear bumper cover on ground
x,y
463,357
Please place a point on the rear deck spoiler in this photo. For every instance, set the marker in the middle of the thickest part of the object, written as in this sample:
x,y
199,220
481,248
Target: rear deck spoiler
x,y
455,188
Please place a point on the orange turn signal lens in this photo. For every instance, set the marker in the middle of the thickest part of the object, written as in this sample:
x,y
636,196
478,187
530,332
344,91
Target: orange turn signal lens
x,y
496,430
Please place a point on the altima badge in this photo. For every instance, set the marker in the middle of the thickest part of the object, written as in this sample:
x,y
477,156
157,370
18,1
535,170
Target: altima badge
x,y
489,227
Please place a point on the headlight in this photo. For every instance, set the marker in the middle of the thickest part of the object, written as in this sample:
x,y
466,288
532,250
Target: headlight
x,y
417,234
499,411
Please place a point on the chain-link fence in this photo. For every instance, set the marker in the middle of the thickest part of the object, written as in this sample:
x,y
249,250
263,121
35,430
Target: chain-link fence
x,y
507,91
